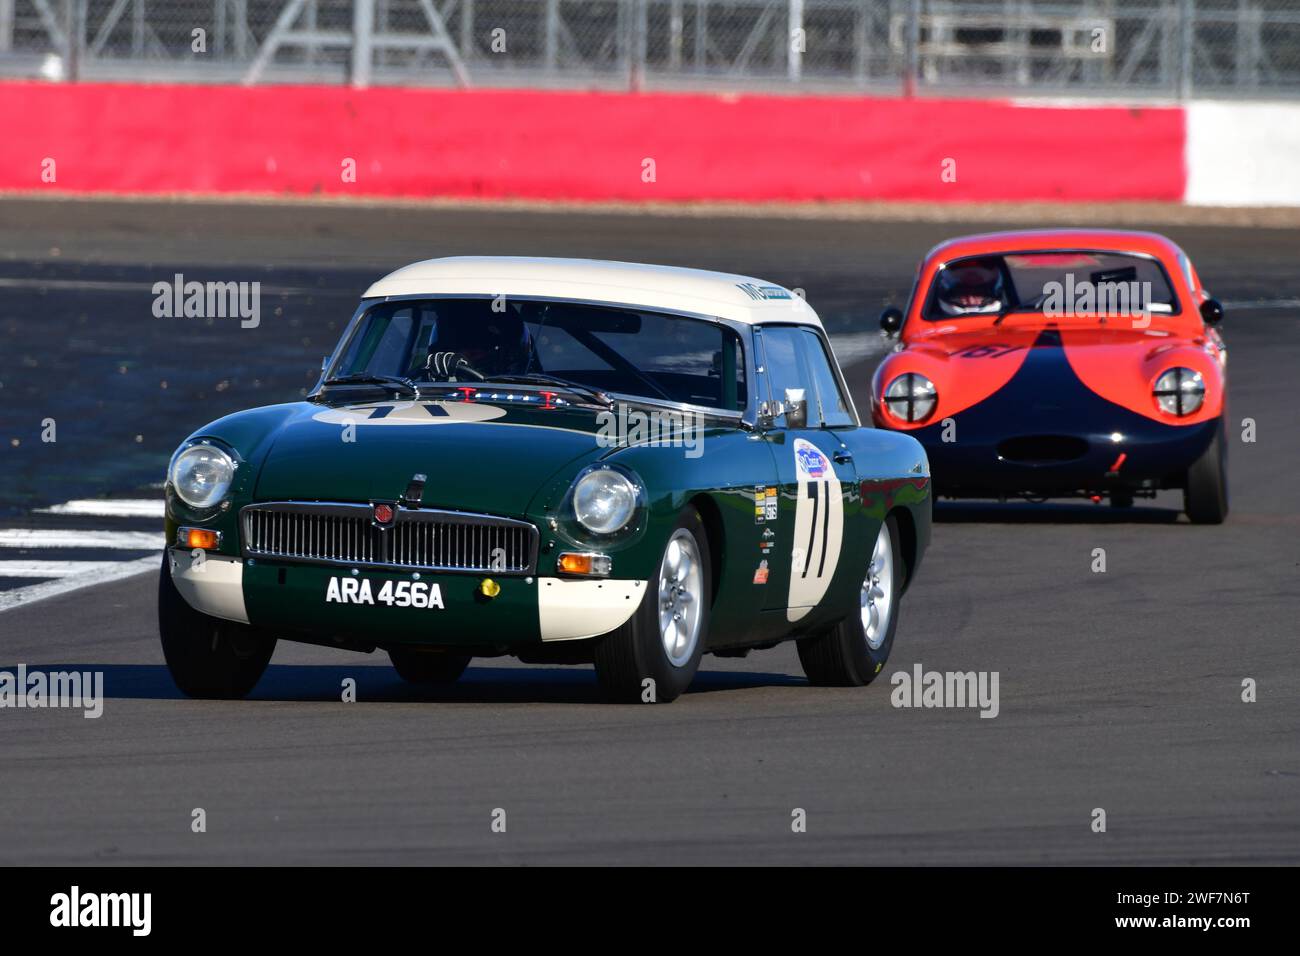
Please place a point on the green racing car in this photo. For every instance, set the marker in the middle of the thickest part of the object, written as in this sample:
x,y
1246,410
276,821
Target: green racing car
x,y
567,461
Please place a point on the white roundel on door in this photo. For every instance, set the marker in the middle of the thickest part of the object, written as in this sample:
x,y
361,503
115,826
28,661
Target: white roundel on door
x,y
818,529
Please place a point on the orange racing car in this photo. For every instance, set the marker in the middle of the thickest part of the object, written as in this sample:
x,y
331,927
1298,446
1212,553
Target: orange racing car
x,y
1056,363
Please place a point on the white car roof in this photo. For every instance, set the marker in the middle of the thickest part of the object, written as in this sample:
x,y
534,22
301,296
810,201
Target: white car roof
x,y
741,298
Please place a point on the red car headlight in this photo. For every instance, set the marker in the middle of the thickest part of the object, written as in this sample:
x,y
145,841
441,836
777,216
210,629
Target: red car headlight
x,y
911,397
1179,391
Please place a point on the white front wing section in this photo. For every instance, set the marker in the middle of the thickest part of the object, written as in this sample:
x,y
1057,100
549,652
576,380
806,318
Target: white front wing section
x,y
571,610
215,587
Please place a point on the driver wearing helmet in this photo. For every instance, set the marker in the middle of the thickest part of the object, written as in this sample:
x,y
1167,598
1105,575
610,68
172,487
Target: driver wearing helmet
x,y
971,287
491,343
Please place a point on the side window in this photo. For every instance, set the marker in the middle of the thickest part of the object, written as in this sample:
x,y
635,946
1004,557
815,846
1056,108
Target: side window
x,y
796,358
827,404
783,361
1188,273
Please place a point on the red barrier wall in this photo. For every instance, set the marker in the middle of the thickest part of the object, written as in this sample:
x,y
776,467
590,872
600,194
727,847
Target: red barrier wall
x,y
579,146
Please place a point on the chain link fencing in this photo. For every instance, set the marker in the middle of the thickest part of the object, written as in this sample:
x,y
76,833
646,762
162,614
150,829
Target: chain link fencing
x,y
1130,48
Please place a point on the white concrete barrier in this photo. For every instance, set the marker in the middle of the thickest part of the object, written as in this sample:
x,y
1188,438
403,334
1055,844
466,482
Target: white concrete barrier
x,y
1242,154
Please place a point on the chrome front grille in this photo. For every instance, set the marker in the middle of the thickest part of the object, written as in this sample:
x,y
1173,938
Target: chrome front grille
x,y
418,539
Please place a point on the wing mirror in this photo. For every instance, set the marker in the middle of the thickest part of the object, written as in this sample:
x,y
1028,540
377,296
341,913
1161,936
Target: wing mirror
x,y
891,320
795,408
1212,311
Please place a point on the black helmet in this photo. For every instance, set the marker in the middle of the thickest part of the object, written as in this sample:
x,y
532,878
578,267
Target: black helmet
x,y
494,343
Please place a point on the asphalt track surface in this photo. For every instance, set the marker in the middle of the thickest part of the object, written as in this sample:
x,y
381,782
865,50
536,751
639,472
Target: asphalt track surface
x,y
1119,690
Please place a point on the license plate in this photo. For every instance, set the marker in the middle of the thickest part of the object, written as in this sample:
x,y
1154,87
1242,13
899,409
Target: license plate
x,y
414,594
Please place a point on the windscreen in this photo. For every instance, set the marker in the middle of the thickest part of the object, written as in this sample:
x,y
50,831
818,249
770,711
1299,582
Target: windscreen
x,y
1065,284
621,351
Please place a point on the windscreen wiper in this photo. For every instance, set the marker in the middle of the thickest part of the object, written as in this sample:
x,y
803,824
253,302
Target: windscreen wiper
x,y
367,378
545,378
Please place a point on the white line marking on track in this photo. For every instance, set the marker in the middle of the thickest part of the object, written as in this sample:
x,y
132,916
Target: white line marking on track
x,y
90,285
1245,305
112,571
140,287
22,568
66,538
853,347
109,508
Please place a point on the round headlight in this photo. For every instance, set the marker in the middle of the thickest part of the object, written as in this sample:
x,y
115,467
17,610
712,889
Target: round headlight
x,y
201,475
911,397
1180,391
604,501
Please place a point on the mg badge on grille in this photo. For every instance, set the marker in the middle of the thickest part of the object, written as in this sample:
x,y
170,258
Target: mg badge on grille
x,y
383,514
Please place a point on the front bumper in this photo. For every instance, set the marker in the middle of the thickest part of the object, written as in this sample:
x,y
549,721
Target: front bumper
x,y
296,601
1122,454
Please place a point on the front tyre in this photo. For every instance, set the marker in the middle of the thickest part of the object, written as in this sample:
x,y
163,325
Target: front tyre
x,y
428,666
653,657
854,651
208,658
1205,496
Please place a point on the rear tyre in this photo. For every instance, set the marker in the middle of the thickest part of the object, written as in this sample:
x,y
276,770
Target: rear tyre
x,y
653,657
208,658
1205,496
428,666
854,651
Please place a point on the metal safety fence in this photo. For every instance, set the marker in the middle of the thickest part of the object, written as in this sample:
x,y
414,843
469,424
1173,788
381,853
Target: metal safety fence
x,y
1163,48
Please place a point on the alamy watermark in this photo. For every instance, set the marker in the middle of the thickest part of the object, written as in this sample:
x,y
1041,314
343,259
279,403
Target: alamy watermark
x,y
83,690
1119,299
625,425
208,300
77,909
922,688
